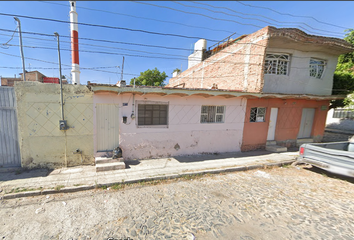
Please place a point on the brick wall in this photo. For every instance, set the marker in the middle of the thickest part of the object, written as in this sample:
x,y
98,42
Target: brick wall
x,y
237,67
9,81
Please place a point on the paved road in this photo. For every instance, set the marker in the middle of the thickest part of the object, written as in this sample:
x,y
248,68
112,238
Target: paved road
x,y
279,203
335,137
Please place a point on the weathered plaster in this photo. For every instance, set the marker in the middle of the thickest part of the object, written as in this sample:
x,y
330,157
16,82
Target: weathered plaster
x,y
184,134
288,121
42,144
298,80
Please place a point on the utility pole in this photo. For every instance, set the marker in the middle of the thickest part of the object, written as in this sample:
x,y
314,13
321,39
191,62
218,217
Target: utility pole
x,y
21,48
121,76
61,81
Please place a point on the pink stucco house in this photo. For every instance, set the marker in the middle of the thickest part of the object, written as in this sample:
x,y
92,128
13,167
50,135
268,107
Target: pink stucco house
x,y
272,86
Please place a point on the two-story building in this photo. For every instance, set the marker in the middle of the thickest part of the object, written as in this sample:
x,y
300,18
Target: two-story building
x,y
291,69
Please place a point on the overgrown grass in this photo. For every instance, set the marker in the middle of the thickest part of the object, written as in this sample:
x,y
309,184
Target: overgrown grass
x,y
58,187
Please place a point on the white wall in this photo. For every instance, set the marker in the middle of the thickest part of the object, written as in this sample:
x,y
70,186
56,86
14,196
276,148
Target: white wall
x,y
184,134
338,123
298,80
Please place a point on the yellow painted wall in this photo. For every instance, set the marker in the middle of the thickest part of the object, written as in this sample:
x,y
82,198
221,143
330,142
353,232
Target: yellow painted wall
x,y
42,144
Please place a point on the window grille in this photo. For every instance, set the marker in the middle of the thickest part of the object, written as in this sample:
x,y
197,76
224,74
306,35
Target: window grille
x,y
258,114
277,64
152,114
212,114
317,68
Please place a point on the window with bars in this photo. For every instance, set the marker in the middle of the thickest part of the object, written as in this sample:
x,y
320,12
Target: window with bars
x,y
277,64
258,114
212,114
317,68
152,114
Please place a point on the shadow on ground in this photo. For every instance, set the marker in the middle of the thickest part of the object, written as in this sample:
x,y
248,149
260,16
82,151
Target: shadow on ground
x,y
129,163
21,173
218,156
331,175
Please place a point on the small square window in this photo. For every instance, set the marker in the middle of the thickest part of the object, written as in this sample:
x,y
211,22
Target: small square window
x,y
212,114
152,114
257,114
317,67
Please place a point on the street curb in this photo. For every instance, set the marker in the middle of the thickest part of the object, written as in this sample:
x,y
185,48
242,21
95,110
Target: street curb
x,y
172,176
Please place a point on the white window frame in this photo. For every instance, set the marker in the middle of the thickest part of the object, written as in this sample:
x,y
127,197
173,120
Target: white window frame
x,y
316,64
260,114
212,114
151,103
278,60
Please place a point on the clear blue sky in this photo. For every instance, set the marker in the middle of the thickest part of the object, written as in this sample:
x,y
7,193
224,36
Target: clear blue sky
x,y
337,15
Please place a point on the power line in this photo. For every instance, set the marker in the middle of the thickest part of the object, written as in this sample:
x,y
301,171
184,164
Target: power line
x,y
105,26
4,44
152,19
68,68
303,23
220,76
39,60
292,15
177,57
101,40
93,45
124,54
200,14
207,60
214,18
178,77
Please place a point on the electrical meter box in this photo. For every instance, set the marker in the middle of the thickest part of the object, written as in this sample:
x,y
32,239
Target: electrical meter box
x,y
62,125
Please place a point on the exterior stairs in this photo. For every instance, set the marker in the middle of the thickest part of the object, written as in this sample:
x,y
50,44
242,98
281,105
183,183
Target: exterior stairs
x,y
109,164
272,146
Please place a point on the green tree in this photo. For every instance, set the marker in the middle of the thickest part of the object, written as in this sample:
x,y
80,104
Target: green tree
x,y
177,70
150,78
343,79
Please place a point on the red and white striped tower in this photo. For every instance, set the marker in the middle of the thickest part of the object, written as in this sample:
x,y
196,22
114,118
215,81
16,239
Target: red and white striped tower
x,y
75,67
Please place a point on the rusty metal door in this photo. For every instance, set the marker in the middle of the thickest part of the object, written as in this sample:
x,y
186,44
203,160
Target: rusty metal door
x,y
9,145
107,116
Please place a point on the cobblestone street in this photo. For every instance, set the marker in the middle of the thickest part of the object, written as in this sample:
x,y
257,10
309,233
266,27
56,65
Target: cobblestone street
x,y
278,203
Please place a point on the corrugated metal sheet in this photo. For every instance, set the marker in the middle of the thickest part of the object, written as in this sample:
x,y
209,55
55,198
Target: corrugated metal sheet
x,y
107,126
9,145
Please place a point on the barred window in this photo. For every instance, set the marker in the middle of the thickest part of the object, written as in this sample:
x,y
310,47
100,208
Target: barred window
x,y
258,114
152,114
277,64
317,68
212,114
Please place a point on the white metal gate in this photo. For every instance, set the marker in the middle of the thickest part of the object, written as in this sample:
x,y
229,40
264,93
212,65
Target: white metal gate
x,y
107,116
9,145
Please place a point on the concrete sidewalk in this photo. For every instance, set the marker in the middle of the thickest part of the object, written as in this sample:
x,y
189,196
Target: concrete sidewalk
x,y
41,181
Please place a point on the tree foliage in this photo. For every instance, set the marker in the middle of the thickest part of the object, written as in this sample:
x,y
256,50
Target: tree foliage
x,y
150,78
343,79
